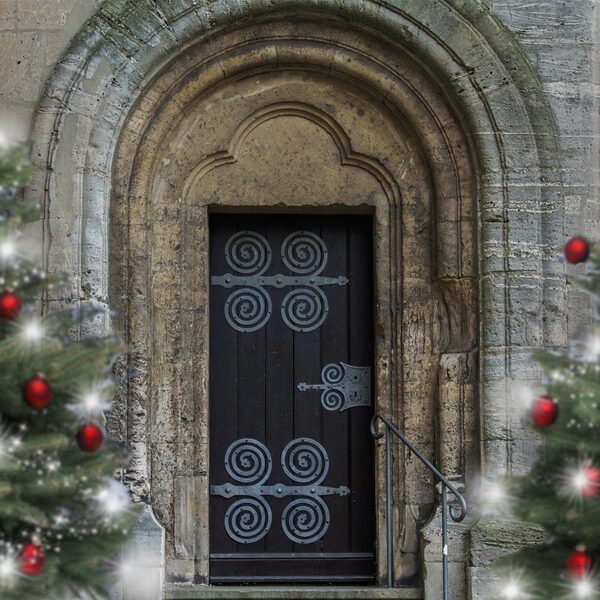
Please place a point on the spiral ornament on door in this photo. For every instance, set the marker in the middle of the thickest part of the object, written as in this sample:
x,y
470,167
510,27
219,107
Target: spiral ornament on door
x,y
249,307
344,386
249,518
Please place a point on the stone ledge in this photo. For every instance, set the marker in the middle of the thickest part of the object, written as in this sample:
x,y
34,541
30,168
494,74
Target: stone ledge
x,y
187,592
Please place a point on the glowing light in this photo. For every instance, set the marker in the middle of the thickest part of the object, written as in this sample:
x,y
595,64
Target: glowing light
x,y
60,520
8,570
575,483
584,589
494,497
53,466
140,574
113,498
92,401
593,345
7,249
32,331
511,591
516,588
580,480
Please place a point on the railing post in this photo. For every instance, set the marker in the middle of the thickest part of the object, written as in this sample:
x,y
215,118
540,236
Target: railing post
x,y
445,541
388,503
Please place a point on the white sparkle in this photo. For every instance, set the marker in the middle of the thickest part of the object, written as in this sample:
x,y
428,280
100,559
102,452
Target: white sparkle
x,y
7,249
580,480
585,589
91,401
53,466
494,497
33,331
113,498
511,590
593,345
517,587
140,575
8,570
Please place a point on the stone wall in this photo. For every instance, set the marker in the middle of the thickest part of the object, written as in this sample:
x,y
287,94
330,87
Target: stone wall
x,y
33,36
561,40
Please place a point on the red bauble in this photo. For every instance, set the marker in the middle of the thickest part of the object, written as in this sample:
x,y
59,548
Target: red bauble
x,y
10,305
592,486
577,250
544,411
37,392
579,563
31,559
89,437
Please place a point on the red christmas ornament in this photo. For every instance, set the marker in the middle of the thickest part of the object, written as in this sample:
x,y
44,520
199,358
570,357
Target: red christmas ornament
x,y
31,559
89,437
579,563
37,391
544,411
577,250
592,485
10,305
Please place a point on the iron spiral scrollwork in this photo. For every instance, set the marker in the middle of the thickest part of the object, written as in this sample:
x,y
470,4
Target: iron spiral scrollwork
x,y
305,520
248,252
249,518
304,460
304,252
248,461
249,307
304,309
344,386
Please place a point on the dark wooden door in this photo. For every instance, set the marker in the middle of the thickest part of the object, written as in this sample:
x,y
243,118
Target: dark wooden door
x,y
291,457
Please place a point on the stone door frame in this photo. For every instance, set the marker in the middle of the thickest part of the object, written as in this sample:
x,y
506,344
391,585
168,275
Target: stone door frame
x,y
485,112
425,261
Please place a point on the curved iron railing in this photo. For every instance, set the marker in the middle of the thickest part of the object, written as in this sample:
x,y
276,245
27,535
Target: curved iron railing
x,y
446,485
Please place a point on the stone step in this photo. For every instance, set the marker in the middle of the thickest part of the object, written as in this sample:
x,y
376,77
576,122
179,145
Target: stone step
x,y
187,592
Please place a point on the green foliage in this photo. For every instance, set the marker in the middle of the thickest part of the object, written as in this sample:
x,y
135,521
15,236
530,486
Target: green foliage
x,y
51,491
547,495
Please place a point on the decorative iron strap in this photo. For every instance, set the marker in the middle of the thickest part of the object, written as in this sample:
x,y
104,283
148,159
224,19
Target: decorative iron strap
x,y
303,520
249,308
344,386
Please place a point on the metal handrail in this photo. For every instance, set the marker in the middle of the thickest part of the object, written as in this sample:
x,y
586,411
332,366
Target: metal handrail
x,y
457,517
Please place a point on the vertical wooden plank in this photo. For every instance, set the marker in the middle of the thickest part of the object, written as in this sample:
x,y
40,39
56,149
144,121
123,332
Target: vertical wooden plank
x,y
360,320
280,385
223,383
335,342
307,366
251,375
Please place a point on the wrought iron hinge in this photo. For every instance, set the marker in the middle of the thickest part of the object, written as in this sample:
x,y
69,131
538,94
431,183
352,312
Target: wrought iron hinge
x,y
344,386
249,308
305,519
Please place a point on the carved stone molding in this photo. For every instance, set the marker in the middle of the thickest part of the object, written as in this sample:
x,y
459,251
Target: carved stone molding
x,y
339,122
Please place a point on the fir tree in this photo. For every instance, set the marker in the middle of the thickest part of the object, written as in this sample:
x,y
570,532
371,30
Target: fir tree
x,y
63,518
562,491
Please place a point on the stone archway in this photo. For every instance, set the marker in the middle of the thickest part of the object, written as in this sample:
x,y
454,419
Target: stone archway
x,y
271,116
467,103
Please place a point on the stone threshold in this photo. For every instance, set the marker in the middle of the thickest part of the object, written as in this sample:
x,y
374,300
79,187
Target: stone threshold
x,y
190,592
